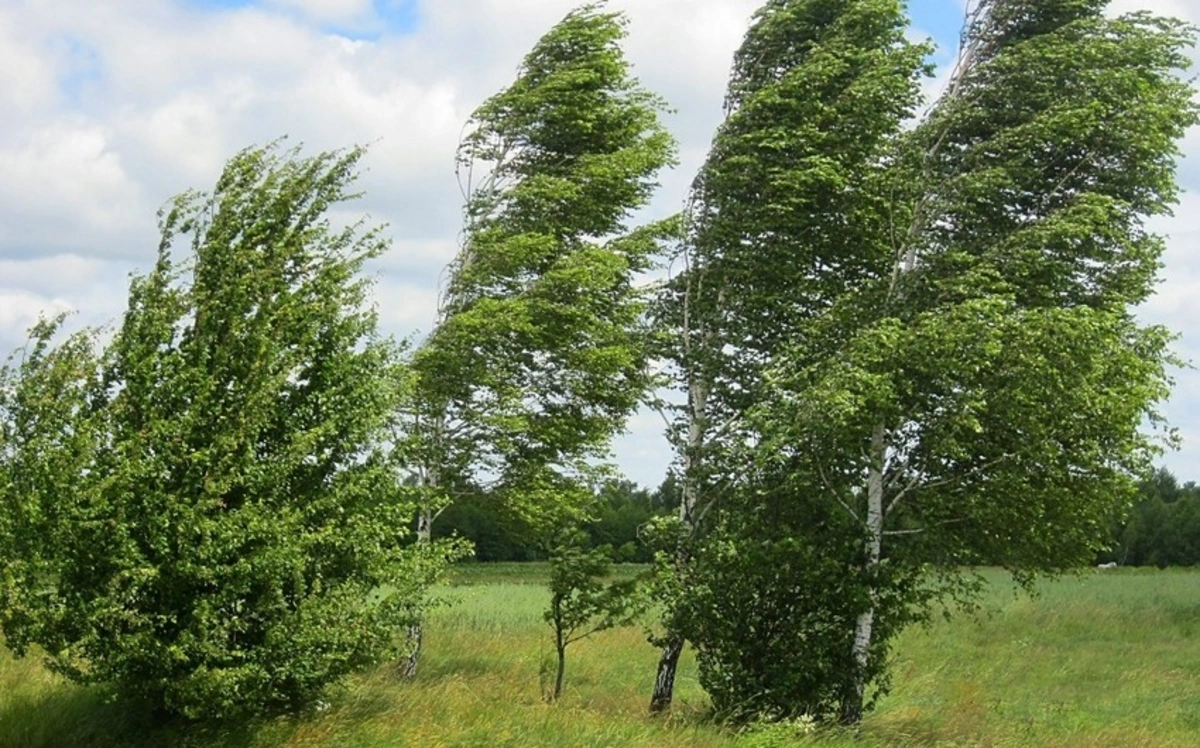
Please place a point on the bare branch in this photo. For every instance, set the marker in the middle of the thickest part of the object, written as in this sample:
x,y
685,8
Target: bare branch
x,y
829,486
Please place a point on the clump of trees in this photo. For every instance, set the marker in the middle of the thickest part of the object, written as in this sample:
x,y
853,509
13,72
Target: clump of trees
x,y
900,345
910,347
206,512
1163,528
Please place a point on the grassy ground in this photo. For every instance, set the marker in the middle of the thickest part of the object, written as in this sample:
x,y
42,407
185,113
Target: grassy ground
x,y
1105,659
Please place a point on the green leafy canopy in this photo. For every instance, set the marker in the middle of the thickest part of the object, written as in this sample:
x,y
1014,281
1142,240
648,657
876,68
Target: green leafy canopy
x,y
218,510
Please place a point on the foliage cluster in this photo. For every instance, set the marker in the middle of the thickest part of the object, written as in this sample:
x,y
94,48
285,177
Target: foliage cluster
x,y
1163,529
539,355
205,512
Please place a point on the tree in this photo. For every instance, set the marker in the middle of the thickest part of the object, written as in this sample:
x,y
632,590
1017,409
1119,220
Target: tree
x,y
976,389
817,92
539,353
230,537
1164,527
581,602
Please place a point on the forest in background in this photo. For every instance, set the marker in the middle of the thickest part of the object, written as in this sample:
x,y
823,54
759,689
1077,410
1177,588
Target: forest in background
x,y
1162,529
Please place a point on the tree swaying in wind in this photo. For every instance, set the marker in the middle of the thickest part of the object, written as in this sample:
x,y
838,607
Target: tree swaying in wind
x,y
816,93
959,377
208,511
539,354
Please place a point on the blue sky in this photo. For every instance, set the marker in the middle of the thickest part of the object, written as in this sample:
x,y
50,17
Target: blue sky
x,y
941,19
383,17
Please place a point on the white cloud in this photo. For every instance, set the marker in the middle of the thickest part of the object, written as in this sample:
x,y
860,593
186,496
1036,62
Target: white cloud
x,y
61,185
27,80
328,11
110,108
19,309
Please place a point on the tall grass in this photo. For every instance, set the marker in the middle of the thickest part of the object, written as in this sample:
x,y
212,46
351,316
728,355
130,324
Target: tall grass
x,y
1103,659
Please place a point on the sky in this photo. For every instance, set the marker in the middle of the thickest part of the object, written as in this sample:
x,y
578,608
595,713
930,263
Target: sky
x,y
108,108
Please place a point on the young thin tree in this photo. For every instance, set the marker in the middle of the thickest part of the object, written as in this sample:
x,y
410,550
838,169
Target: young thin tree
x,y
581,602
229,540
538,355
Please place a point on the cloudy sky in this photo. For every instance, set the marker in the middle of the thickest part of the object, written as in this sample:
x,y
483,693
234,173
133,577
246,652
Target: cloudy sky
x,y
110,107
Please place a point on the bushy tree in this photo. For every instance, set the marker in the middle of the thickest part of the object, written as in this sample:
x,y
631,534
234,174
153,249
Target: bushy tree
x,y
954,373
228,536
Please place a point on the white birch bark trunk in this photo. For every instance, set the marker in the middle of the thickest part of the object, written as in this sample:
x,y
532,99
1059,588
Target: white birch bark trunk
x,y
979,18
668,662
415,630
852,707
425,517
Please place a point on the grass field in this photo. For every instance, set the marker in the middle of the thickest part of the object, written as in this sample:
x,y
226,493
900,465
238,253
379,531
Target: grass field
x,y
1103,659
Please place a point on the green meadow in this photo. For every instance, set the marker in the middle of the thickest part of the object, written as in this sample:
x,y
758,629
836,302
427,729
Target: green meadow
x,y
1103,659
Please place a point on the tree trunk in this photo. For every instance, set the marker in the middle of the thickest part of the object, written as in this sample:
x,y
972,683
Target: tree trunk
x,y
668,661
664,682
562,669
852,704
424,535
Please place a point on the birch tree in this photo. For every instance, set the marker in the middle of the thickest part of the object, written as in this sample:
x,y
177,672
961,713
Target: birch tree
x,y
539,353
817,91
976,393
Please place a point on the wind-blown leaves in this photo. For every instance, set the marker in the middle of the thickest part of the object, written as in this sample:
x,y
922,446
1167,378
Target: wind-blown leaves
x,y
539,354
231,539
930,329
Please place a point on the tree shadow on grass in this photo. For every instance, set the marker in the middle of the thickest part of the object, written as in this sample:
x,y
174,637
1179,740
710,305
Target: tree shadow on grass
x,y
62,715
455,667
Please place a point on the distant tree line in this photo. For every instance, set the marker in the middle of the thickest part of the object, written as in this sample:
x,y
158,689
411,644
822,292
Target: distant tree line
x,y
619,512
1163,529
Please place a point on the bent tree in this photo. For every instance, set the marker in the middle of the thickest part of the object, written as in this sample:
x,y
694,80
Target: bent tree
x,y
215,500
975,392
817,92
539,352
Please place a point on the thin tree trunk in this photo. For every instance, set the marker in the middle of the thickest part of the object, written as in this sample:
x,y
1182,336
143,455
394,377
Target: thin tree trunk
x,y
430,479
668,661
852,705
664,682
415,633
562,669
